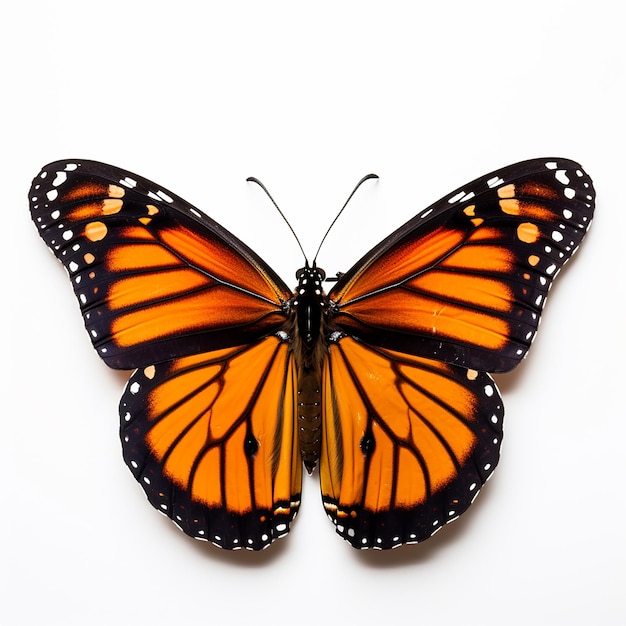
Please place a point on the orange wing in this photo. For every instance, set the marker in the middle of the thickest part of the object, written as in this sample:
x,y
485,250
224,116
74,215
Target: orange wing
x,y
465,280
155,278
407,442
211,440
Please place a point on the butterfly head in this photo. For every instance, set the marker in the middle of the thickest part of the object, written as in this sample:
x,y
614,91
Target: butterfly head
x,y
310,278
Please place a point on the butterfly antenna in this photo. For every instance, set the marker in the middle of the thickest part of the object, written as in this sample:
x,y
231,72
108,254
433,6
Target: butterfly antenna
x,y
252,179
368,177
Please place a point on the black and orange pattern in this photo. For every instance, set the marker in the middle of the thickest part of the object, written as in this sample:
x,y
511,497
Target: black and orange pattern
x,y
154,276
408,442
211,438
396,357
465,280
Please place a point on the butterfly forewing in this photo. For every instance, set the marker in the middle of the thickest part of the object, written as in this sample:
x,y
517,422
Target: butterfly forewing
x,y
155,278
465,280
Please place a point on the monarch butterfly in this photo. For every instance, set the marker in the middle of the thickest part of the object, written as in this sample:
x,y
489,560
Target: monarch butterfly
x,y
383,383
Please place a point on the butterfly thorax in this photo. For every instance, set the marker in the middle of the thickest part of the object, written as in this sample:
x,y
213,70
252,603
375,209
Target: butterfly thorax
x,y
308,346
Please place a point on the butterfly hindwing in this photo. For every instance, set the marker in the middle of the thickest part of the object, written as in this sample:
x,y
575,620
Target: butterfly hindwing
x,y
211,440
155,278
408,442
465,280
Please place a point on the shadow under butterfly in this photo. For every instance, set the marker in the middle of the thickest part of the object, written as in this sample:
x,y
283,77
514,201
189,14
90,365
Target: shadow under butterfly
x,y
383,383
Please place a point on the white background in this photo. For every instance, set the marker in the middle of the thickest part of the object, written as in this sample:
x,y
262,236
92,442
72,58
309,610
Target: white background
x,y
309,98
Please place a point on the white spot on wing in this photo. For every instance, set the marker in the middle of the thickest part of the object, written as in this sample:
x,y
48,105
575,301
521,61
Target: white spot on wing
x,y
165,197
561,176
59,179
128,182
456,197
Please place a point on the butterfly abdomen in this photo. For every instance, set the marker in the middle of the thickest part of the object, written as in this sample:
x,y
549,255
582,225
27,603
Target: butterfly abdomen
x,y
309,419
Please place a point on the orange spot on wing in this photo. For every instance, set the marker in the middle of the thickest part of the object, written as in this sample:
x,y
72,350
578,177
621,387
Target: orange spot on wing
x,y
506,191
510,207
111,206
95,231
115,191
528,232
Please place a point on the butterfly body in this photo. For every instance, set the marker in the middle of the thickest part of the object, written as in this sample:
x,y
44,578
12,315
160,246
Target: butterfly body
x,y
383,383
309,347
